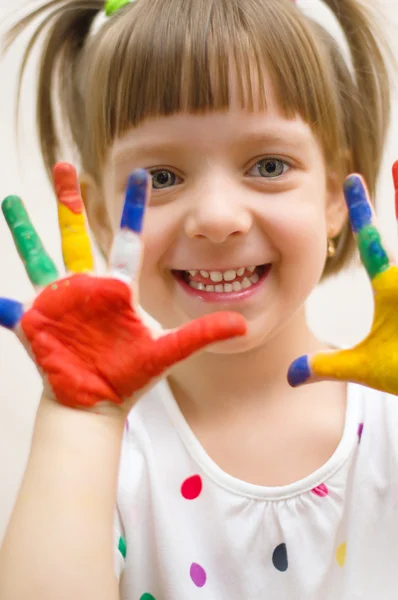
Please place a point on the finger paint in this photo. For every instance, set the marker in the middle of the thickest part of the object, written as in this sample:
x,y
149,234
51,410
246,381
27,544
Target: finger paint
x,y
299,371
76,246
135,200
92,346
39,266
373,255
10,313
374,361
67,188
359,210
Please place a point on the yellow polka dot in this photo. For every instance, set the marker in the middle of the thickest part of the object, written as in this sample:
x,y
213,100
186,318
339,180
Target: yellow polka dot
x,y
341,554
54,287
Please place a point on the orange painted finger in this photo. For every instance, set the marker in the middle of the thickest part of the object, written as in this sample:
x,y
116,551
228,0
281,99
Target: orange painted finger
x,y
76,247
196,335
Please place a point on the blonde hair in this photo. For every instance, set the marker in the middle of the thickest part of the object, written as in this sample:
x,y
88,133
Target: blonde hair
x,y
159,57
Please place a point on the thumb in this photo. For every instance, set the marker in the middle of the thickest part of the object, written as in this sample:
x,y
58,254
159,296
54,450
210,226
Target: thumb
x,y
181,343
333,365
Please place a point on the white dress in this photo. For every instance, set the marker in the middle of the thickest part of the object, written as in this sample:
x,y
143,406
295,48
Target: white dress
x,y
186,530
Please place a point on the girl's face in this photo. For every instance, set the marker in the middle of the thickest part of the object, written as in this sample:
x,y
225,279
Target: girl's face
x,y
238,218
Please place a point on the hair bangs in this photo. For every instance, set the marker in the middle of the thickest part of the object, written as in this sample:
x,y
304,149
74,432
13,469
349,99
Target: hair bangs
x,y
148,63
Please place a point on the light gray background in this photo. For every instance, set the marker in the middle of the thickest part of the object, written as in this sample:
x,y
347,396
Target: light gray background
x,y
339,311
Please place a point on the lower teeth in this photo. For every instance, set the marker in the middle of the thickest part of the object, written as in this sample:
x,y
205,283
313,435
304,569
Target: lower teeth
x,y
235,286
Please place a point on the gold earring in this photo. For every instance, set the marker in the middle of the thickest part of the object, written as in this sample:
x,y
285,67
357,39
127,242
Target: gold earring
x,y
331,248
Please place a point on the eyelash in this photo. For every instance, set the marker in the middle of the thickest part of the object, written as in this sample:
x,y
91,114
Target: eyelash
x,y
270,158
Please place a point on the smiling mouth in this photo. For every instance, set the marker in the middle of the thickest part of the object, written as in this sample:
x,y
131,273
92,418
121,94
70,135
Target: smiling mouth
x,y
226,281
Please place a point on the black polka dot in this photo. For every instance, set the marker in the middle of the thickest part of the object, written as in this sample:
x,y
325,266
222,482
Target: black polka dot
x,y
279,558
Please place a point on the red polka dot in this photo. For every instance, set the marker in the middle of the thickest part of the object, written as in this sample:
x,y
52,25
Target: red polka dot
x,y
192,487
320,490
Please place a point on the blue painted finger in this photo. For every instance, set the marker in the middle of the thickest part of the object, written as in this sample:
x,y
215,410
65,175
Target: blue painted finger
x,y
373,254
126,251
356,196
299,371
10,313
135,201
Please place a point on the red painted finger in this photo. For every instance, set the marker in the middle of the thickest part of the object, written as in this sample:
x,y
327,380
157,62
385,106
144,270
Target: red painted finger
x,y
67,187
195,336
76,247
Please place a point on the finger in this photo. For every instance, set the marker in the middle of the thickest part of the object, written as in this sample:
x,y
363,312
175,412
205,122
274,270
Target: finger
x,y
340,365
10,313
76,247
125,259
373,254
196,335
38,265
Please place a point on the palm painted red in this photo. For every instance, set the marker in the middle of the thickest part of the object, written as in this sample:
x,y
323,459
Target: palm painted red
x,y
83,331
92,346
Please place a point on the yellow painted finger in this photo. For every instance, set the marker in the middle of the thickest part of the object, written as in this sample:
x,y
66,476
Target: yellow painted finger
x,y
76,246
373,362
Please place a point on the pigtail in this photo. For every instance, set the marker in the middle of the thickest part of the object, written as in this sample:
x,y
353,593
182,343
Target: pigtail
x,y
364,91
371,102
65,25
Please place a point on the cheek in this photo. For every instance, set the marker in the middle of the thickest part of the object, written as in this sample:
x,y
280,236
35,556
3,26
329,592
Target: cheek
x,y
301,240
158,236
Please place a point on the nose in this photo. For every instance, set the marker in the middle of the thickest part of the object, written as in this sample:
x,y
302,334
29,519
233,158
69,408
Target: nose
x,y
218,211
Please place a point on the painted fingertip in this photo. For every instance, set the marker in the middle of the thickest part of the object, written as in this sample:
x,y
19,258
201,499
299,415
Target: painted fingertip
x,y
66,183
299,371
359,209
10,313
134,205
11,208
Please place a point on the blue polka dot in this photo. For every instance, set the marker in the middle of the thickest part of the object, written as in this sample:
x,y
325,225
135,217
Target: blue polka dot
x,y
279,558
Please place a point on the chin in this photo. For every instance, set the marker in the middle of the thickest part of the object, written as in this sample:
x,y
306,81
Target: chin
x,y
256,336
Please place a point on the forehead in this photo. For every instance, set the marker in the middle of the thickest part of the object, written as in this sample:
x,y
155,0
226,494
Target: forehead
x,y
223,127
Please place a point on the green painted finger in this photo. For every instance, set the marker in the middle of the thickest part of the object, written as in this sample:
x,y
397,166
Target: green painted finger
x,y
373,255
39,266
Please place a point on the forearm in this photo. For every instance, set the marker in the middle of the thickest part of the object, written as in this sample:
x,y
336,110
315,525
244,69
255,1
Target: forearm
x,y
59,542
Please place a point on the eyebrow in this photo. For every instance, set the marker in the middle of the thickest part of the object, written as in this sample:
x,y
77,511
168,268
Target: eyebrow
x,y
292,138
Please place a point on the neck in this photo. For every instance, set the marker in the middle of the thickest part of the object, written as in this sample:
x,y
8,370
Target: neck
x,y
207,384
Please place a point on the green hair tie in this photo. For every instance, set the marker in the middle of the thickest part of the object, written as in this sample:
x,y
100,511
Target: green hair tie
x,y
113,6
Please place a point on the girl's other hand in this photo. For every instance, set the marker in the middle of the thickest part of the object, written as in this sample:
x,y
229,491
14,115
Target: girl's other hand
x,y
374,361
84,331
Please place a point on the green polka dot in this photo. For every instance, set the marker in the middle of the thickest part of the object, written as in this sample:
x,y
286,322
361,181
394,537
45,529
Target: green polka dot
x,y
122,547
147,597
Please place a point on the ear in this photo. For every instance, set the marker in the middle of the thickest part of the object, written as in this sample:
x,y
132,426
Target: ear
x,y
97,213
336,207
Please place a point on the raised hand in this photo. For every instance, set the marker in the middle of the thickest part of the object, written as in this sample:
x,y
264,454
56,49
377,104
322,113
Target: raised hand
x,y
83,331
373,362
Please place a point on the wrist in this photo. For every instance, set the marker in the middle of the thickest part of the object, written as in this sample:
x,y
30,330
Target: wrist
x,y
99,425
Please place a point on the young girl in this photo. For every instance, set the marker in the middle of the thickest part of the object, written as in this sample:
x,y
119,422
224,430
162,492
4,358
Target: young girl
x,y
229,483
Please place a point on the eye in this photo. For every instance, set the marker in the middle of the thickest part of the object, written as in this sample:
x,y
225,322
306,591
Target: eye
x,y
163,178
269,168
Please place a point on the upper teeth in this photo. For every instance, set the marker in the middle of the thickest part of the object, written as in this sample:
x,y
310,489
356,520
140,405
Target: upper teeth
x,y
229,275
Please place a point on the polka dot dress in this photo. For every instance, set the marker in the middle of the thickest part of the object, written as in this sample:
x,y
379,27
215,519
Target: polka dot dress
x,y
187,529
